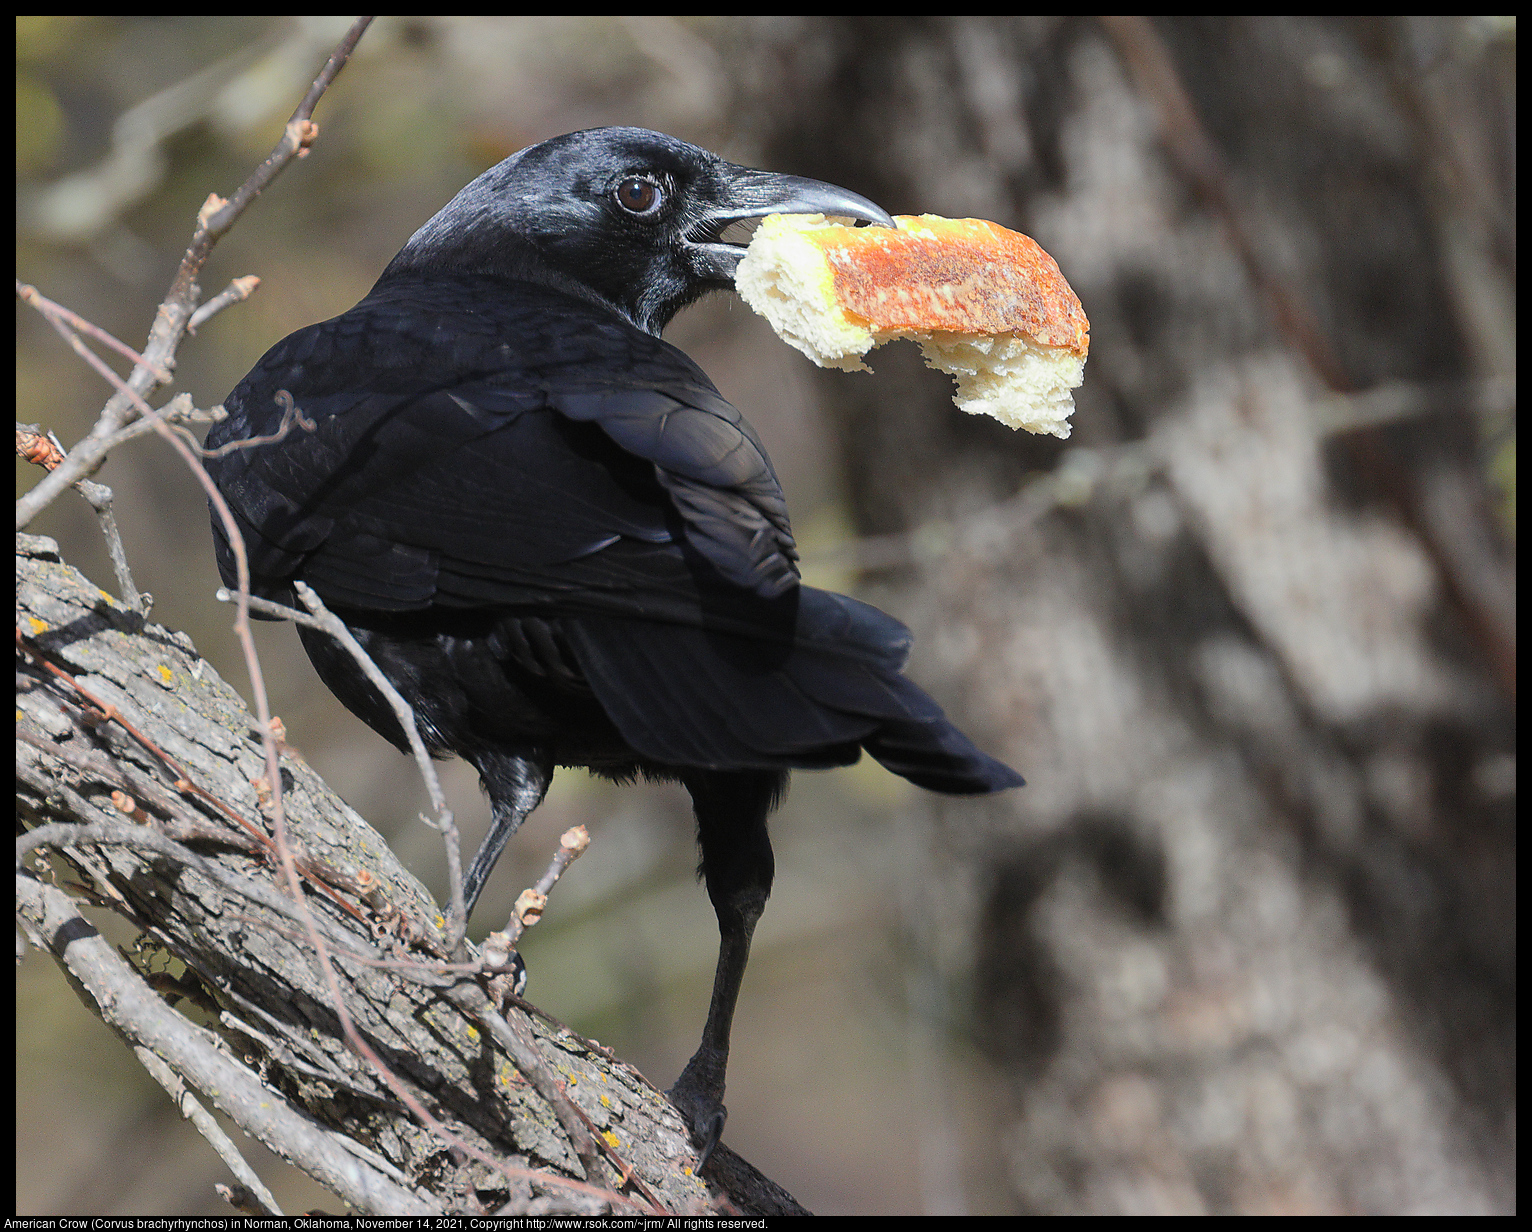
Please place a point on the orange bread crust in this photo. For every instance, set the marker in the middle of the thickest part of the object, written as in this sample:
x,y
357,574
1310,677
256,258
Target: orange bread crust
x,y
964,275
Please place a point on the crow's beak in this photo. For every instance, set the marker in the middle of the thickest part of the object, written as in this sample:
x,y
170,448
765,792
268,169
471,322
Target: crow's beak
x,y
754,194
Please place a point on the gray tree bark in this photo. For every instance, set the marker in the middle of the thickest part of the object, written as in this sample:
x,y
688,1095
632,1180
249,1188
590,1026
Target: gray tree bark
x,y
222,984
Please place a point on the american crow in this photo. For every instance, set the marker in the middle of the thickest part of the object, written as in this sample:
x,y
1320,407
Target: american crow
x,y
556,538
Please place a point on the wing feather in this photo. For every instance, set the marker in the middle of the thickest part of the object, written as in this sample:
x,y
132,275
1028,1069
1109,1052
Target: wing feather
x,y
448,465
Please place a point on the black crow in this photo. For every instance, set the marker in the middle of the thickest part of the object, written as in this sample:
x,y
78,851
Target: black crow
x,y
558,540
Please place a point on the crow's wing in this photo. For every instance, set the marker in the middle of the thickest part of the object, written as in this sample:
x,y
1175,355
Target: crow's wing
x,y
481,443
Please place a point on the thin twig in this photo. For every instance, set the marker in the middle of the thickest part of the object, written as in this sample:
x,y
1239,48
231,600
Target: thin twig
x,y
297,136
516,1038
457,916
292,417
531,903
320,873
178,411
48,453
99,497
213,222
53,923
320,617
56,313
236,292
259,1200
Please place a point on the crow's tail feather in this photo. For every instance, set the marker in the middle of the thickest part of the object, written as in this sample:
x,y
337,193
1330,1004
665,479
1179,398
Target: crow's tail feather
x,y
692,697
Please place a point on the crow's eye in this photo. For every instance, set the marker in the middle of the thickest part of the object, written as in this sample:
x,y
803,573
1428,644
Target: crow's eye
x,y
640,196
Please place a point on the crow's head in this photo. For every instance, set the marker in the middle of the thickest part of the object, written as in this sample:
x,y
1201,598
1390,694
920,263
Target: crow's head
x,y
632,217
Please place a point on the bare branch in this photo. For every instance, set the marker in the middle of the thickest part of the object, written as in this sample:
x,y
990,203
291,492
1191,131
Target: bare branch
x,y
170,322
45,451
59,315
236,292
531,903
258,1200
457,914
321,618
217,215
54,924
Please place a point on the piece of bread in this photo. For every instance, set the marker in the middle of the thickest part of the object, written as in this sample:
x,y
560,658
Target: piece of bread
x,y
987,305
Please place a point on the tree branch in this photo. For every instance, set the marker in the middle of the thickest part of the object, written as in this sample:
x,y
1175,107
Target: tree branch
x,y
221,910
179,306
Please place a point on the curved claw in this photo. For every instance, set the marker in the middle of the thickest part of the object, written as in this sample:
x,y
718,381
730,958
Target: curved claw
x,y
701,1107
709,1135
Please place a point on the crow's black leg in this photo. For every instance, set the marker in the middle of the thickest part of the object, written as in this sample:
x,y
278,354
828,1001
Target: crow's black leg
x,y
732,807
516,786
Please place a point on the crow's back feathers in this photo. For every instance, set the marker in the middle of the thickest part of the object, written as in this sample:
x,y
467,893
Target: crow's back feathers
x,y
444,459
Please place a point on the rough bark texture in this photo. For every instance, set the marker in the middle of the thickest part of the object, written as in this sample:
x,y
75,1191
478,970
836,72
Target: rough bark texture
x,y
255,997
1246,941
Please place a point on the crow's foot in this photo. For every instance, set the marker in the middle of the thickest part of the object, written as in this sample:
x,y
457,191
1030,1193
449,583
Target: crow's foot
x,y
698,1096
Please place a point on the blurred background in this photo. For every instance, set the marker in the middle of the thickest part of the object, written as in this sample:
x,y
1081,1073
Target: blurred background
x,y
1246,941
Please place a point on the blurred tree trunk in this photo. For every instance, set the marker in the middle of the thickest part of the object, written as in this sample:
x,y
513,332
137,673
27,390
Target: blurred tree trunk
x,y
1246,941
